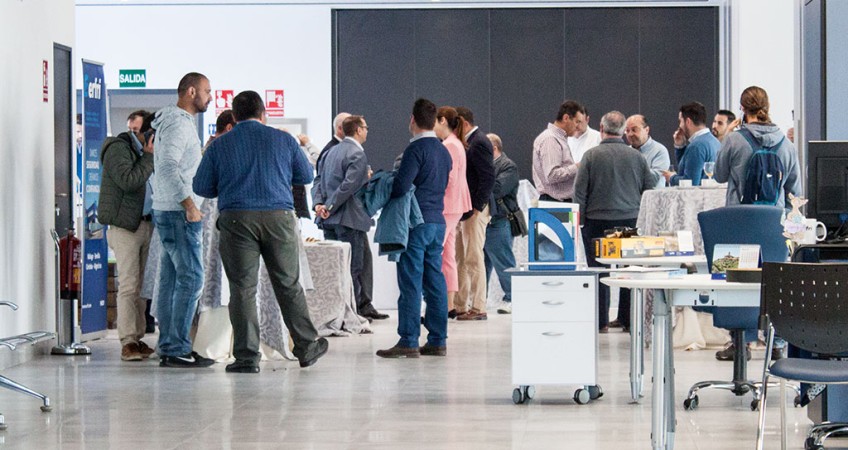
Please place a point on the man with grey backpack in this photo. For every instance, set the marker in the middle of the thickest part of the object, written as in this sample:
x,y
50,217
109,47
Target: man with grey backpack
x,y
758,163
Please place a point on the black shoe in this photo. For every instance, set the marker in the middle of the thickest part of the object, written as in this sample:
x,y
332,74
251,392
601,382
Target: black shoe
x,y
318,350
452,314
777,353
728,353
430,350
374,314
242,367
190,360
615,324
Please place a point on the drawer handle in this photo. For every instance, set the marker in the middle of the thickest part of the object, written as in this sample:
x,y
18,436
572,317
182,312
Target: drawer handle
x,y
552,333
553,302
552,283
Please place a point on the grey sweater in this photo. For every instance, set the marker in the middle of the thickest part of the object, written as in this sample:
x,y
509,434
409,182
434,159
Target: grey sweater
x,y
732,162
611,180
175,158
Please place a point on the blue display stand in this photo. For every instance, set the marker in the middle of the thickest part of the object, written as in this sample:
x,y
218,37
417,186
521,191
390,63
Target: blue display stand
x,y
543,253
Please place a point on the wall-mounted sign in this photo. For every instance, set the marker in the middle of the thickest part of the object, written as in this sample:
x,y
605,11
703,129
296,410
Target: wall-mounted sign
x,y
275,104
132,78
223,101
44,78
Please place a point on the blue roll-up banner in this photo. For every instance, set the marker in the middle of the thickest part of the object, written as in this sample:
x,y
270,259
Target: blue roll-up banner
x,y
94,249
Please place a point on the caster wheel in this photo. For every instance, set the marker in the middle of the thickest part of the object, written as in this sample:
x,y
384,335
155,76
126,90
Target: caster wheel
x,y
517,396
595,392
810,444
46,408
581,396
755,405
529,392
797,401
690,404
3,427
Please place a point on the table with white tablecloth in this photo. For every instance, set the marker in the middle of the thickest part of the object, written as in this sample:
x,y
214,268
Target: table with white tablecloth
x,y
325,276
673,209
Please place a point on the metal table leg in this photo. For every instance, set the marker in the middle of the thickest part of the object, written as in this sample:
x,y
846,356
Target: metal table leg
x,y
660,434
637,345
671,416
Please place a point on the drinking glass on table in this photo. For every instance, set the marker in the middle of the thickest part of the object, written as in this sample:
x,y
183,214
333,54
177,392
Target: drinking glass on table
x,y
709,169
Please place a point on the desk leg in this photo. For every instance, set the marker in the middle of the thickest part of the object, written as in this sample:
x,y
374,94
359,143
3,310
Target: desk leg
x,y
660,434
671,423
637,345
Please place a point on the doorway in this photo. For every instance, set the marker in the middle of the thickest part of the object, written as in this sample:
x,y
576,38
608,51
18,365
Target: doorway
x,y
62,138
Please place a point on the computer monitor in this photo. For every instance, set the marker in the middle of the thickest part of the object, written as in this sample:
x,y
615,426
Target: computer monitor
x,y
827,182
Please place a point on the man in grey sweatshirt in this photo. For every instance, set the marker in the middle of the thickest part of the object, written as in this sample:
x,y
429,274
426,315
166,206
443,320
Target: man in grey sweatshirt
x,y
177,220
609,187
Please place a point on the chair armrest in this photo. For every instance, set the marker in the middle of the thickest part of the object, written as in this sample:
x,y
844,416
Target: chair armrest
x,y
9,304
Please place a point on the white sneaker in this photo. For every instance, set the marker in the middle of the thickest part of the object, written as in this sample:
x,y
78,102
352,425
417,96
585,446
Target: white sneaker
x,y
505,308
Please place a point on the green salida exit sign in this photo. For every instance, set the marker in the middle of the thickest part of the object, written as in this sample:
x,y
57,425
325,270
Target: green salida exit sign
x,y
132,78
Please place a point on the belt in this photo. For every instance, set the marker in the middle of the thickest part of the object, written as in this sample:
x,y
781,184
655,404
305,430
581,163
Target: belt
x,y
147,217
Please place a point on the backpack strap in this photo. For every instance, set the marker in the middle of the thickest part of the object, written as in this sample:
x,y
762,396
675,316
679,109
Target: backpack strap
x,y
746,133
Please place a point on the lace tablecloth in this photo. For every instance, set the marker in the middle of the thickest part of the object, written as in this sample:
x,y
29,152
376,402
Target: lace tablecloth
x,y
673,209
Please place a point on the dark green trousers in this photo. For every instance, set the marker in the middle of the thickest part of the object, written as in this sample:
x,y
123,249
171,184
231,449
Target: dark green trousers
x,y
245,236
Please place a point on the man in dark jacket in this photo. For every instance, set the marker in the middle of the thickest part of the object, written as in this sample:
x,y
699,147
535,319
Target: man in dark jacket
x,y
426,165
126,206
471,267
498,248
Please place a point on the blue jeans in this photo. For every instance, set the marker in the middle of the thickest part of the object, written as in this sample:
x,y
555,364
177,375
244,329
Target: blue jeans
x,y
420,268
180,280
498,254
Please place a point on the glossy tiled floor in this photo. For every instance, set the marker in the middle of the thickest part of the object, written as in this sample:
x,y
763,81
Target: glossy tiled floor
x,y
354,400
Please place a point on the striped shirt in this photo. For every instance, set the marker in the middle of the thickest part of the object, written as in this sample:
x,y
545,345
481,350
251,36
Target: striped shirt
x,y
554,169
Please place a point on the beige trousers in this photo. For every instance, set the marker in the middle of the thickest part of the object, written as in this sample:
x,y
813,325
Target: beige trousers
x,y
471,267
130,257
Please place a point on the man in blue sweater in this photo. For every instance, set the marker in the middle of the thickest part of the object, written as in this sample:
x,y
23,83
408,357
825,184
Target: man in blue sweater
x,y
426,164
694,145
251,170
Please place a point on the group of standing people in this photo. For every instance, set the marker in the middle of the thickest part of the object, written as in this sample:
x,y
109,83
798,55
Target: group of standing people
x,y
463,185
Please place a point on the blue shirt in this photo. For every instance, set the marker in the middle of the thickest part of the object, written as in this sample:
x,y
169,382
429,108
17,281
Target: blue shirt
x,y
252,168
702,148
426,164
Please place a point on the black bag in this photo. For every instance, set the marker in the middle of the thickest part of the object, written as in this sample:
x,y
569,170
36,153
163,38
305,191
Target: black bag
x,y
517,225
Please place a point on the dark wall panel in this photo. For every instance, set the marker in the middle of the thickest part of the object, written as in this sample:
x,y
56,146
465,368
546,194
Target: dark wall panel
x,y
513,67
679,64
527,78
602,60
452,62
375,77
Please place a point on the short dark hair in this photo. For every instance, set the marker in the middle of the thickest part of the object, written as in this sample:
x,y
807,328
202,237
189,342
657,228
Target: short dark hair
x,y
571,108
424,114
352,124
248,105
727,113
140,113
226,118
694,111
191,79
147,122
466,114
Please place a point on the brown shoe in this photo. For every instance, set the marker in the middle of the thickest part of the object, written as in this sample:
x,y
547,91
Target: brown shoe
x,y
473,315
398,352
131,352
145,350
615,324
603,330
429,350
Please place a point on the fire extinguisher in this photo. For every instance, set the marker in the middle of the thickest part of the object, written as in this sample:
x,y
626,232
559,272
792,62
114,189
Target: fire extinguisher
x,y
70,266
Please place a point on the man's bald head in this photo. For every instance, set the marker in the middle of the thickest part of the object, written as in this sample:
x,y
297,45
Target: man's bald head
x,y
337,124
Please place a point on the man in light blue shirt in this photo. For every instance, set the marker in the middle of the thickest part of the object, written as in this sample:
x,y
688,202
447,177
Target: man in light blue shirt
x,y
638,135
177,221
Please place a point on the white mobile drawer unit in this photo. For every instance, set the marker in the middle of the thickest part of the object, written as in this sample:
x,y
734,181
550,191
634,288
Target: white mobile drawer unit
x,y
555,332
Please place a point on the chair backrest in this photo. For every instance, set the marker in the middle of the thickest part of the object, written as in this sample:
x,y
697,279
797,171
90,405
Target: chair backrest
x,y
744,224
808,304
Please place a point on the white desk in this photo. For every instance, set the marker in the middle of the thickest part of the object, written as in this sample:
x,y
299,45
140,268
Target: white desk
x,y
689,290
657,261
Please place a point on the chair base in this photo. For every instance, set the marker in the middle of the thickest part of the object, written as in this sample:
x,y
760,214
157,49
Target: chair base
x,y
822,431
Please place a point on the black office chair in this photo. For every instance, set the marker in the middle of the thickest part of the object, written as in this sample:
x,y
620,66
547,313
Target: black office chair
x,y
806,305
739,224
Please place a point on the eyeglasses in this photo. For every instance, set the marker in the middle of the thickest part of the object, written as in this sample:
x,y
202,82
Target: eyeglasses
x,y
364,126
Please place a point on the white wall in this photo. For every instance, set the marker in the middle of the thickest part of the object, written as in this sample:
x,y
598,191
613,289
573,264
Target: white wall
x,y
764,54
28,30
